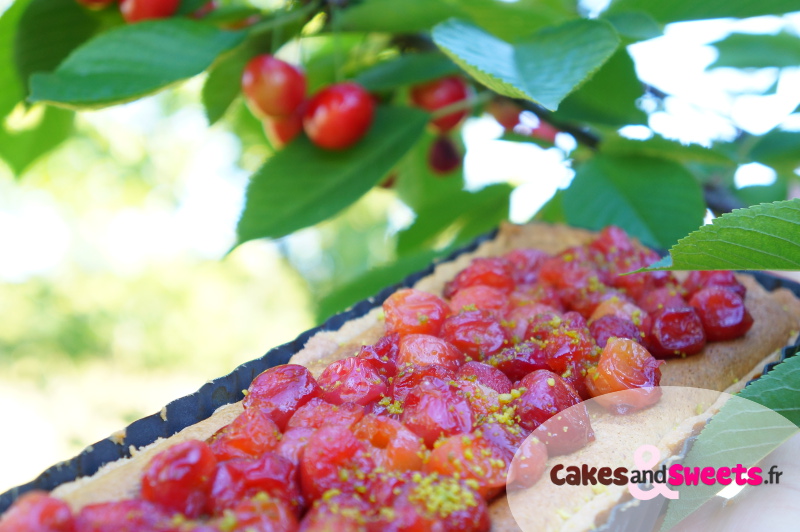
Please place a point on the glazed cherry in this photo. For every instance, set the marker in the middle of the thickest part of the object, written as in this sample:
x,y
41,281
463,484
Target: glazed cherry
x,y
36,511
138,10
494,272
319,413
341,512
698,280
528,465
664,297
424,349
410,376
441,93
620,307
352,380
433,409
338,116
241,478
334,459
393,446
625,366
382,354
179,478
611,326
137,514
478,333
549,405
525,264
411,311
484,401
443,156
436,502
517,361
676,332
250,435
722,312
280,391
273,87
261,513
480,297
470,457
293,442
486,375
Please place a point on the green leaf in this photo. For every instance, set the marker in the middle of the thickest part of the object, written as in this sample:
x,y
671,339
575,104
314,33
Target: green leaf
x,y
384,15
21,149
755,194
609,97
417,185
635,25
676,10
13,91
543,68
667,149
778,149
459,216
745,50
408,69
303,184
553,211
188,7
224,83
132,61
328,58
656,200
749,426
515,20
762,237
47,32
372,282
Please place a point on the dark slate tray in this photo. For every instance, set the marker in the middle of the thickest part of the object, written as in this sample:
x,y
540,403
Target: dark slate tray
x,y
199,405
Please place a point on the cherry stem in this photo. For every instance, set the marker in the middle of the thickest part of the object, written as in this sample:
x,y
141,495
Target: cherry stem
x,y
461,105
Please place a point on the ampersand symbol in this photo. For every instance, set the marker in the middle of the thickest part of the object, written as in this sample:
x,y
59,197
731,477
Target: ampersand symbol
x,y
642,464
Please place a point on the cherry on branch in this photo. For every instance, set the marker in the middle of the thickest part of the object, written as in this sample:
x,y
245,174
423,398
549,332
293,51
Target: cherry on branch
x,y
138,10
438,94
338,116
273,87
95,4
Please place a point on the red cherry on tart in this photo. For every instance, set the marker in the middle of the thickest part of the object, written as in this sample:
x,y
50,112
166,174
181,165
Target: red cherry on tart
x,y
470,457
139,10
611,326
424,349
319,413
440,93
338,116
698,280
486,375
261,513
36,511
334,459
280,391
394,447
495,272
625,366
241,478
722,312
410,376
382,354
478,333
410,311
433,409
676,332
353,380
547,405
274,88
438,502
250,435
179,479
136,515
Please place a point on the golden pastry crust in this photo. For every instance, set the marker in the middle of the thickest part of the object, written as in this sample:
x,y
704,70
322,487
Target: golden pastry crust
x,y
724,366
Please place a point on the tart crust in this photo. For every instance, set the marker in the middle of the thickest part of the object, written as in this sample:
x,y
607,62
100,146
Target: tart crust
x,y
722,366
